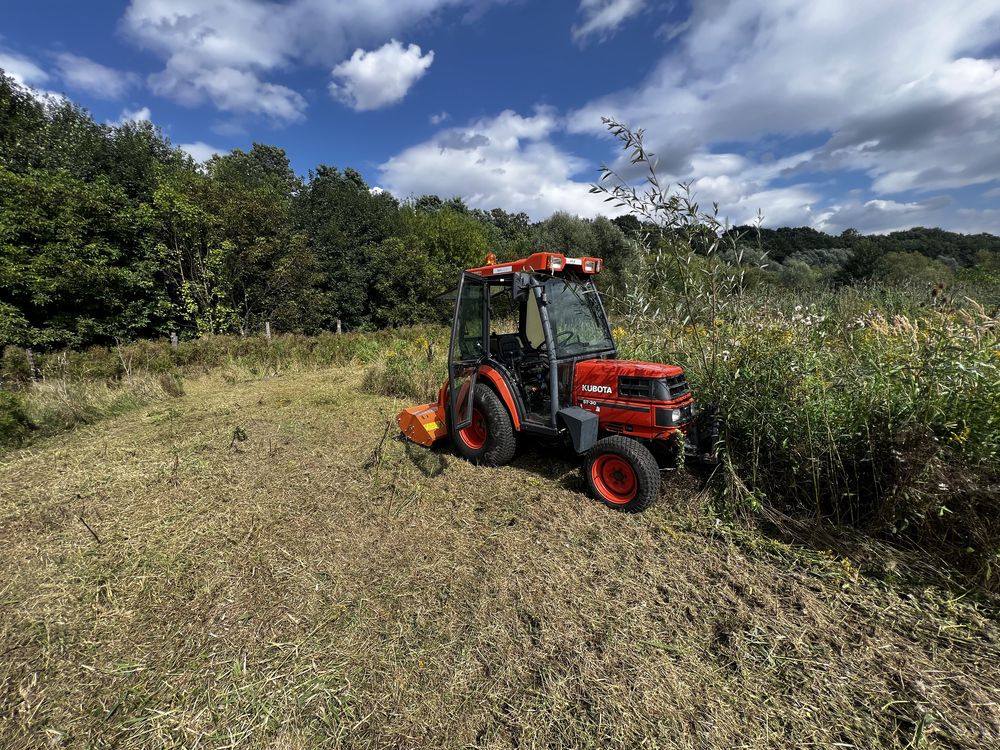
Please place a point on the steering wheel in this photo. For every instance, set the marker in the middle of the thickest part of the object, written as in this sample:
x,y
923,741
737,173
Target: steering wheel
x,y
564,337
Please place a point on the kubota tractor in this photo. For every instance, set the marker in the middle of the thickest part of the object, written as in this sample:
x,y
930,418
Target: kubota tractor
x,y
531,352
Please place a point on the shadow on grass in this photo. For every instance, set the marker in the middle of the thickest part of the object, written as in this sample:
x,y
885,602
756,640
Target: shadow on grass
x,y
430,462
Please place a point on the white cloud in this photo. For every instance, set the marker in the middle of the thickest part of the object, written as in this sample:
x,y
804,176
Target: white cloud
x,y
438,118
200,151
229,89
377,78
99,80
133,115
893,90
882,216
23,70
602,18
506,161
224,51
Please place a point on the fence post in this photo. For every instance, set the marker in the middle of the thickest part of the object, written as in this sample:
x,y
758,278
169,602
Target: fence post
x,y
173,339
267,330
32,368
338,327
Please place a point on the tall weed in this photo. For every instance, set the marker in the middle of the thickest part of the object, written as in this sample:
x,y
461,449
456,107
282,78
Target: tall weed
x,y
872,406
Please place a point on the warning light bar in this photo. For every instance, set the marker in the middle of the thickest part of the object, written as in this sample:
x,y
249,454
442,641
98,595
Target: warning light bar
x,y
550,262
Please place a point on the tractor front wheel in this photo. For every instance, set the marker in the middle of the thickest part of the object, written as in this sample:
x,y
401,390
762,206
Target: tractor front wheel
x,y
489,439
623,474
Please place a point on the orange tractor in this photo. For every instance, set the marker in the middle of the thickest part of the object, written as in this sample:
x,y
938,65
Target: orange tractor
x,y
532,353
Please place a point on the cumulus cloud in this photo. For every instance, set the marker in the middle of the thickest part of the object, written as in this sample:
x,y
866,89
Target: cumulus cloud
x,y
507,161
133,115
437,119
23,70
84,74
377,78
229,89
27,73
601,18
904,92
228,51
200,151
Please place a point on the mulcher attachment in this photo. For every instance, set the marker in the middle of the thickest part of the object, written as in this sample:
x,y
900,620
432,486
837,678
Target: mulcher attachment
x,y
423,424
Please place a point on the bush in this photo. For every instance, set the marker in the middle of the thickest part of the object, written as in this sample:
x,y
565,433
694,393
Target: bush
x,y
14,367
15,427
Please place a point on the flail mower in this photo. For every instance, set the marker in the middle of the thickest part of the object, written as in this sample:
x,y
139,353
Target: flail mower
x,y
531,353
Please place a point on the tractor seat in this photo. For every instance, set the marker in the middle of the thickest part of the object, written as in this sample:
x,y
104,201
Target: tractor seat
x,y
506,347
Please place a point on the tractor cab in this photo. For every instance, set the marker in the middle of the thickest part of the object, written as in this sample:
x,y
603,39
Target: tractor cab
x,y
531,351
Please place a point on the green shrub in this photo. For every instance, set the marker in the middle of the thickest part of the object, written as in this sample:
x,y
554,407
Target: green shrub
x,y
14,367
15,426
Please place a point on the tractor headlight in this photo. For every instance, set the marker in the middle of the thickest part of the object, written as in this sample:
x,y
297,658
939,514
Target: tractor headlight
x,y
556,263
588,266
667,417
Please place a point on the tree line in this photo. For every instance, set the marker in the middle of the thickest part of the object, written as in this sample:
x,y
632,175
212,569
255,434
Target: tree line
x,y
110,233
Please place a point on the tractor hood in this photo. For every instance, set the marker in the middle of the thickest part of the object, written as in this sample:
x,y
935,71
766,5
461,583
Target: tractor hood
x,y
602,378
613,368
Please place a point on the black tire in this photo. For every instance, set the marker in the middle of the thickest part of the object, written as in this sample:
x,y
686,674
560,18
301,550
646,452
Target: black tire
x,y
623,474
498,442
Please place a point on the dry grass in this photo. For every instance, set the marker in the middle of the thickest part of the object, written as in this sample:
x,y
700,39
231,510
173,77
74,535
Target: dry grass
x,y
221,570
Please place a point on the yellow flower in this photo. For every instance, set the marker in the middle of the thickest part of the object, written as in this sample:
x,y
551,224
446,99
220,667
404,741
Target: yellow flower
x,y
618,332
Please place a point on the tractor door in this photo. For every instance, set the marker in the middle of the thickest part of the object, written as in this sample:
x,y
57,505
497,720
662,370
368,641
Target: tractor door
x,y
469,346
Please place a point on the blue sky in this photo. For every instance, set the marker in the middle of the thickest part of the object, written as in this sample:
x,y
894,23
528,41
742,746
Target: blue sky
x,y
839,114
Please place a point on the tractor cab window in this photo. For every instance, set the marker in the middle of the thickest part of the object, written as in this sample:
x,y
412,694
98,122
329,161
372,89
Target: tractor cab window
x,y
470,323
577,318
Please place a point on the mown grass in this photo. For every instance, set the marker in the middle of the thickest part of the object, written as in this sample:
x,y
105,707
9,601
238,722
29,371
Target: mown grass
x,y
250,565
70,388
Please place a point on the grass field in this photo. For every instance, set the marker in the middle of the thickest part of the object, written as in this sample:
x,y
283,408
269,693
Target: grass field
x,y
242,566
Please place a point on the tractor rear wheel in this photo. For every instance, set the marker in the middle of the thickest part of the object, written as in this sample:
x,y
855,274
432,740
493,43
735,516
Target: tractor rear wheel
x,y
623,474
489,439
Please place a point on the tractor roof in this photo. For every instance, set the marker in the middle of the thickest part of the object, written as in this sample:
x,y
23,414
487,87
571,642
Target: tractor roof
x,y
544,262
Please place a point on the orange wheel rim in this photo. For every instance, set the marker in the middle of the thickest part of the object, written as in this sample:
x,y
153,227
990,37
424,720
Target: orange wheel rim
x,y
474,435
614,479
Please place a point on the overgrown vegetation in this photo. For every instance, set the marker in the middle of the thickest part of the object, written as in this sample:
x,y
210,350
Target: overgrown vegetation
x,y
867,405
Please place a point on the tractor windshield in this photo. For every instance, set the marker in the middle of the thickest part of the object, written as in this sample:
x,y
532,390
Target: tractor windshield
x,y
577,318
